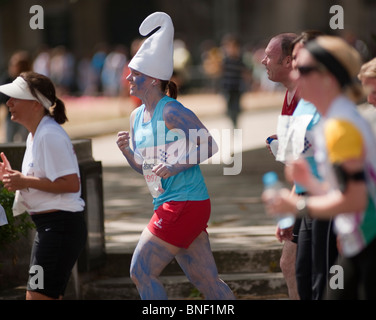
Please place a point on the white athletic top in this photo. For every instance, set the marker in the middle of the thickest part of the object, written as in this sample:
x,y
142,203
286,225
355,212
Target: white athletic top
x,y
50,154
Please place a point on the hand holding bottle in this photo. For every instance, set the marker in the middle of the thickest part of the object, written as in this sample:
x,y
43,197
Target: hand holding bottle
x,y
273,196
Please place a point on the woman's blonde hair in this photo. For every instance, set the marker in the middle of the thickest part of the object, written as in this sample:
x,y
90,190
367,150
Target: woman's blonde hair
x,y
368,70
342,60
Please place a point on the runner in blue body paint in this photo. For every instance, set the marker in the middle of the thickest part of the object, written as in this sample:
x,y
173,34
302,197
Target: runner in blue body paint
x,y
153,254
164,131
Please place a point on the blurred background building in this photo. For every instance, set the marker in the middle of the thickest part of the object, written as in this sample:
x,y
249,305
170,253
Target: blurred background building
x,y
86,44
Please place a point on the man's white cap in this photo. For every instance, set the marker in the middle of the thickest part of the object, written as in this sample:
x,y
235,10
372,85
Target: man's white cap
x,y
19,89
155,56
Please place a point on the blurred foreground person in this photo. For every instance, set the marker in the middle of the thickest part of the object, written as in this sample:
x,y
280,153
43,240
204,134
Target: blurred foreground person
x,y
316,246
346,157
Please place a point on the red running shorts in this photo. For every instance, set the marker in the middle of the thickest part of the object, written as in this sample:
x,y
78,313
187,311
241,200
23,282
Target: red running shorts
x,y
180,222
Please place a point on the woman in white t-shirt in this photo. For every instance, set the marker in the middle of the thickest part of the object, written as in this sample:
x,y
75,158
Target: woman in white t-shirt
x,y
48,187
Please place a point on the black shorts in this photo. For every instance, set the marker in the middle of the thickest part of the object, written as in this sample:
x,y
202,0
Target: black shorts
x,y
59,240
295,231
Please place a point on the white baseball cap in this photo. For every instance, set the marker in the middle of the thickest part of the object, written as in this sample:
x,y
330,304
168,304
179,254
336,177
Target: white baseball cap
x,y
155,56
19,89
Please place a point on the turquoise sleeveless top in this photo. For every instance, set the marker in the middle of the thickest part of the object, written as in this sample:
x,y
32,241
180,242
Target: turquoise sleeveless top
x,y
155,141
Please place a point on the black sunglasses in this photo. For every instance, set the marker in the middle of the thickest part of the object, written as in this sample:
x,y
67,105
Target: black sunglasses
x,y
305,70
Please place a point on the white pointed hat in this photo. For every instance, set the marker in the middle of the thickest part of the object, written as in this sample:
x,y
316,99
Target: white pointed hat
x,y
155,56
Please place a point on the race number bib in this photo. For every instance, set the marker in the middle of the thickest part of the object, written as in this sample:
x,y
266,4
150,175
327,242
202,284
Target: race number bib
x,y
152,180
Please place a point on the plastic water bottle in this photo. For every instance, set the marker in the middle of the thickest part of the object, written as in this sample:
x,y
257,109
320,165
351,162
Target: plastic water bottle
x,y
273,144
272,185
